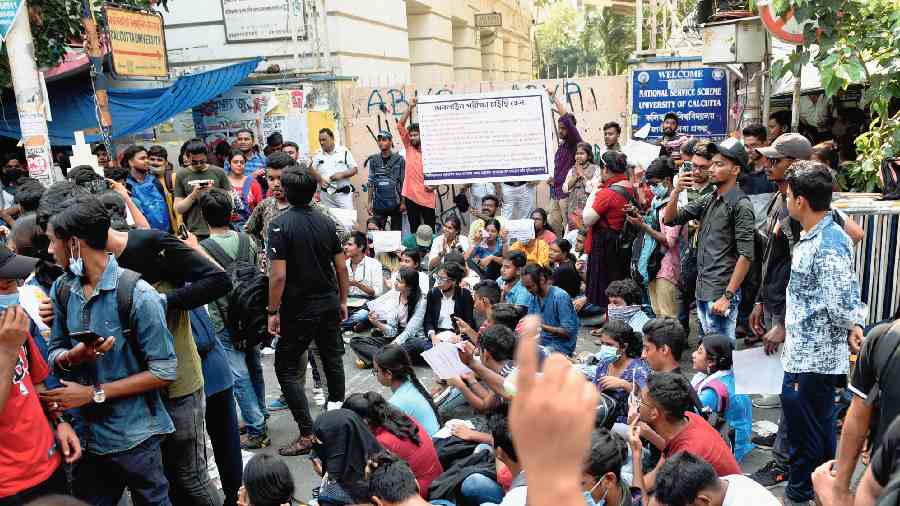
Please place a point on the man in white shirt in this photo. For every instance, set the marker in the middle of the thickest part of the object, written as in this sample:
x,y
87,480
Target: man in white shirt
x,y
686,480
366,279
335,165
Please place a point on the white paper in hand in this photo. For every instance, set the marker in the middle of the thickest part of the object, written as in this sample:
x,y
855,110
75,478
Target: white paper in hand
x,y
641,153
757,373
444,361
347,217
386,241
520,230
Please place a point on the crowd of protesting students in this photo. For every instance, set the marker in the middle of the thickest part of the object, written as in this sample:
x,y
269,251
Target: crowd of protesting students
x,y
137,307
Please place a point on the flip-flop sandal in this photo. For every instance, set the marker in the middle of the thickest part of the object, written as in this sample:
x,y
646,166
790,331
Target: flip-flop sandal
x,y
597,332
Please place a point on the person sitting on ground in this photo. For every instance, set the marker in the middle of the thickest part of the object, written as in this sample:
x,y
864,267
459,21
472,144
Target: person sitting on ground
x,y
686,480
421,240
559,330
479,489
664,342
342,447
562,263
267,482
624,304
510,280
714,383
393,369
621,368
496,348
399,434
392,482
366,278
451,239
402,323
411,259
601,478
486,253
542,230
665,405
446,300
485,294
536,250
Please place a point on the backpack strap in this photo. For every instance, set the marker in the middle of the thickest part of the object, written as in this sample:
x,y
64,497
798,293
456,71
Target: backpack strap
x,y
216,251
721,392
125,286
243,253
625,194
63,293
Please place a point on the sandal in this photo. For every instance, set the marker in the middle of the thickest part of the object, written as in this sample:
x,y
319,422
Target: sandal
x,y
301,446
597,332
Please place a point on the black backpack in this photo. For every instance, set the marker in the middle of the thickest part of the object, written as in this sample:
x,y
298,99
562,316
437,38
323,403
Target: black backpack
x,y
245,316
385,191
626,238
654,261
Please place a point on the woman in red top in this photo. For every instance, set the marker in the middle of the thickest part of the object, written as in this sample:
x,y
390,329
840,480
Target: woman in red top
x,y
245,189
604,217
400,434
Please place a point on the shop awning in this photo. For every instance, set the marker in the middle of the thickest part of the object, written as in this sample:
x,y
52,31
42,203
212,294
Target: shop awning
x,y
133,109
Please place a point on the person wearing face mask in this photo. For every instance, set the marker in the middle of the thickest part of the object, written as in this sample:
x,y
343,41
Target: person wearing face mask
x,y
714,383
621,368
12,170
660,262
601,477
687,480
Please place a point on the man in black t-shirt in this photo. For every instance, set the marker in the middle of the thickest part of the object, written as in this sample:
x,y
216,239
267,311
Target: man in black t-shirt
x,y
308,285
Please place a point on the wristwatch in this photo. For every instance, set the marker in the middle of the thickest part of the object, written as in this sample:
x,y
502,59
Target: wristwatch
x,y
99,394
272,312
729,295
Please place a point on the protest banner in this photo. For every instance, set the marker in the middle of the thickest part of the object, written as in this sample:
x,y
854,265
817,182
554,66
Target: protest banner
x,y
506,136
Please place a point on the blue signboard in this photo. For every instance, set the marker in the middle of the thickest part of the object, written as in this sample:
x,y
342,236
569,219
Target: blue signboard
x,y
698,95
8,11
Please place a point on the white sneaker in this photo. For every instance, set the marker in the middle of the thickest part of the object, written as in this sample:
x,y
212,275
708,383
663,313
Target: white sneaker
x,y
319,397
267,351
347,336
334,405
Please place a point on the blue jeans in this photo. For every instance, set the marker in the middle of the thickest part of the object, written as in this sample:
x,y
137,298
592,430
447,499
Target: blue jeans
x,y
101,479
361,315
245,389
478,489
255,368
807,403
714,323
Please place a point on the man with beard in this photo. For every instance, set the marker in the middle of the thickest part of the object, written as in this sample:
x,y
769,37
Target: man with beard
x,y
419,199
12,170
158,159
671,140
611,133
147,192
386,170
255,162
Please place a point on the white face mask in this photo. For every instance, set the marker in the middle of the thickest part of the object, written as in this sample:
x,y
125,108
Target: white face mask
x,y
589,497
76,263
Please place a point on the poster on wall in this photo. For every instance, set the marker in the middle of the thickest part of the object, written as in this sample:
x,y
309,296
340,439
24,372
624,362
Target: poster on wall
x,y
698,95
256,20
486,137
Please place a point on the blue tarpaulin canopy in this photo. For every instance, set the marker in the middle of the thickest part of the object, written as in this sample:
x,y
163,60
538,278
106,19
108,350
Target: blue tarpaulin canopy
x,y
133,109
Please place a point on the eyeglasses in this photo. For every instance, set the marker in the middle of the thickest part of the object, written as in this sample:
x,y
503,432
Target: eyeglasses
x,y
441,279
198,163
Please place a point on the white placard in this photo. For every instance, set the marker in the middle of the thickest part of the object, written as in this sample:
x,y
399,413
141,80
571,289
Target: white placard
x,y
757,373
387,241
486,137
641,153
520,230
347,217
444,360
254,20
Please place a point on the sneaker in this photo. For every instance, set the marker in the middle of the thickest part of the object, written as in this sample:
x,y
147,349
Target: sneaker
x,y
319,396
769,475
267,351
278,404
259,442
764,440
347,336
334,405
767,401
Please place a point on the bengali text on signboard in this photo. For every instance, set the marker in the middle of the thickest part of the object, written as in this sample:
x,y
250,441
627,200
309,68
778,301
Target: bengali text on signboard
x,y
138,43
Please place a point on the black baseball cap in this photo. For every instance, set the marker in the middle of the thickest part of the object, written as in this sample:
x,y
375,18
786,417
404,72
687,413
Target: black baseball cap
x,y
733,149
13,266
384,134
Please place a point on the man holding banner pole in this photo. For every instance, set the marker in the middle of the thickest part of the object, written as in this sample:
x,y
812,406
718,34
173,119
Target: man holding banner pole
x,y
563,161
419,199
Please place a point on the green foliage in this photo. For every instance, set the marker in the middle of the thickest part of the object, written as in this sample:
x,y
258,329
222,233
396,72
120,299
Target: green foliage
x,y
854,42
597,39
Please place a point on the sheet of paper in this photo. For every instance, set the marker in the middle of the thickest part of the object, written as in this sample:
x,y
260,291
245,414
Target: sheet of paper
x,y
444,361
641,153
387,241
757,373
347,217
520,230
30,298
643,132
385,305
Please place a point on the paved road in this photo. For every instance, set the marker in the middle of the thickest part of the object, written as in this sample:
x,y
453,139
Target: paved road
x,y
283,430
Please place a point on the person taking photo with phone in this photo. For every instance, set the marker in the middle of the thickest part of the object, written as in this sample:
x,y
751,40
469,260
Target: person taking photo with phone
x,y
193,180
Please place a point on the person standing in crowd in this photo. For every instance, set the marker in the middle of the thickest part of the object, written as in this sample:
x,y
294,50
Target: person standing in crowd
x,y
127,417
569,138
663,284
583,179
605,218
392,368
308,283
158,159
518,198
451,240
611,133
510,281
823,321
685,480
727,237
146,190
420,199
335,165
293,150
490,204
245,190
254,161
191,182
756,182
779,124
103,158
559,328
671,139
387,171
236,246
274,143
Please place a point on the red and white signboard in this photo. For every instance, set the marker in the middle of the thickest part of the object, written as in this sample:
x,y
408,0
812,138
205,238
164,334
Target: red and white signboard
x,y
783,27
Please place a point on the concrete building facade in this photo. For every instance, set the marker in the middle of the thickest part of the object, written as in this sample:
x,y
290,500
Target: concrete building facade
x,y
375,41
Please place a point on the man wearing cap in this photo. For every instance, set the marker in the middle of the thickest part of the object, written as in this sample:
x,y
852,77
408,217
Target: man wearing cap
x,y
386,172
727,232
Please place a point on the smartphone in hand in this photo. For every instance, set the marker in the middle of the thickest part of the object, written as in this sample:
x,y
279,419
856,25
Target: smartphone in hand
x,y
86,337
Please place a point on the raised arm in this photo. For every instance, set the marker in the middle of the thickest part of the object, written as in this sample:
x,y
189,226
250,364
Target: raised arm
x,y
408,112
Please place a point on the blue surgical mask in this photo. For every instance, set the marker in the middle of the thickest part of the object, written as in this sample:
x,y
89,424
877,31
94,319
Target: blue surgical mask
x,y
608,353
76,265
589,499
9,299
660,191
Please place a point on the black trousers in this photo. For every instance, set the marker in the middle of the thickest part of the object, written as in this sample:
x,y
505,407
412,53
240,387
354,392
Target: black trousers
x,y
366,347
396,219
419,214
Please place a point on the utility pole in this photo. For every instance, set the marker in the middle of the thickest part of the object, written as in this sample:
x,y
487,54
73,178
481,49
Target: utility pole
x,y
29,98
95,55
